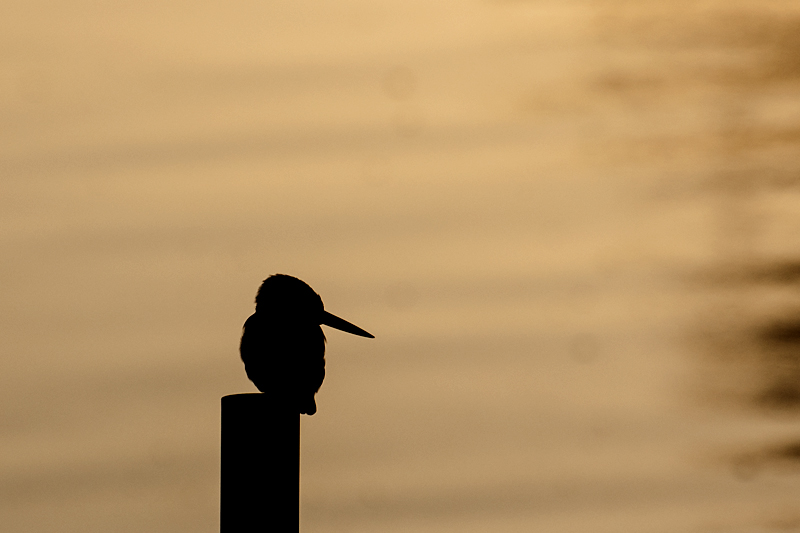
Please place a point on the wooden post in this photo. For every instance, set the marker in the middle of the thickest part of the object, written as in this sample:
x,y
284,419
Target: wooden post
x,y
260,465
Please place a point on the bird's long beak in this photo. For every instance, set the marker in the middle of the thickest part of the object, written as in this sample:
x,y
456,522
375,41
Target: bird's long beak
x,y
335,322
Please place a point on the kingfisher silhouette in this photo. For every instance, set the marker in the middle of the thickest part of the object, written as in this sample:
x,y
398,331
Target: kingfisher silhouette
x,y
283,346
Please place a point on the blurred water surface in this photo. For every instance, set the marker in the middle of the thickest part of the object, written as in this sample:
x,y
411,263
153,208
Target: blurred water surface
x,y
572,226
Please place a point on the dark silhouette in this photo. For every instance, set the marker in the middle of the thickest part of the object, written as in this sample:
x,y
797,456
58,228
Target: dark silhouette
x,y
283,349
283,346
259,465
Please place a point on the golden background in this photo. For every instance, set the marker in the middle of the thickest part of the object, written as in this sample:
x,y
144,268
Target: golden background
x,y
573,227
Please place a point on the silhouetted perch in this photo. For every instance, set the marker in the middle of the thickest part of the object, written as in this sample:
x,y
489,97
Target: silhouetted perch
x,y
260,474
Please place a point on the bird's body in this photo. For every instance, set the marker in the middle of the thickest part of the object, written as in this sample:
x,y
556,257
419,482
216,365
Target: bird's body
x,y
283,346
285,360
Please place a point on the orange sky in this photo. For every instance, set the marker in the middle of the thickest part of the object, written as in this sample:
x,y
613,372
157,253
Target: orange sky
x,y
559,219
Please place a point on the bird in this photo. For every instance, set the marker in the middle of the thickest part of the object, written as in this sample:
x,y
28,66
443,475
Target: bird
x,y
283,345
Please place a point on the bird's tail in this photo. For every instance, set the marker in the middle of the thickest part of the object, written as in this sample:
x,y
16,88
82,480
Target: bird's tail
x,y
308,406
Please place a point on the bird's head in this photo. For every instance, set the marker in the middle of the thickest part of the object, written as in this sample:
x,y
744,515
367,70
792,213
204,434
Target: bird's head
x,y
286,299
